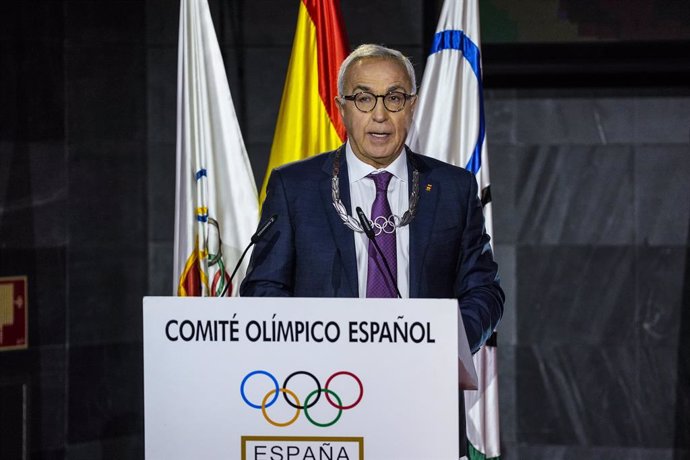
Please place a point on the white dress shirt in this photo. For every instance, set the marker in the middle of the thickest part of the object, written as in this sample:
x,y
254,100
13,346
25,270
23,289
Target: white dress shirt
x,y
362,194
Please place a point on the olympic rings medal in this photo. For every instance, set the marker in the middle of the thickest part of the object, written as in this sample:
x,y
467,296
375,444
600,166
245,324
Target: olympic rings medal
x,y
383,224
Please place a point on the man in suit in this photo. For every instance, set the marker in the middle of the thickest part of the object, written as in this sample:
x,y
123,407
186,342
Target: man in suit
x,y
317,248
426,214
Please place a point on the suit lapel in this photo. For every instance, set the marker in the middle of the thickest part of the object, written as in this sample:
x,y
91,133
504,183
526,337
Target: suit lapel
x,y
421,226
342,235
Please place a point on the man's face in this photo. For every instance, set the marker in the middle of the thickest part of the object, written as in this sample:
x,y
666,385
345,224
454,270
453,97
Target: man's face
x,y
376,137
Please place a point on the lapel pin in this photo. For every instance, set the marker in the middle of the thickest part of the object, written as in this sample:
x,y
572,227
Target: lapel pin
x,y
428,187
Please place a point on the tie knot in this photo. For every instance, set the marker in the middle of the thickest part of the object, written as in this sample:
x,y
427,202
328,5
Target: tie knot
x,y
381,180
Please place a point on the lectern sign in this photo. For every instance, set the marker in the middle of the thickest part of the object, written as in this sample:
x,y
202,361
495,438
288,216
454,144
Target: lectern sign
x,y
278,379
13,313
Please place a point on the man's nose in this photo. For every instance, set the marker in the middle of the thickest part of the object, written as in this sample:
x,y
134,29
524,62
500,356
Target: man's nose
x,y
380,113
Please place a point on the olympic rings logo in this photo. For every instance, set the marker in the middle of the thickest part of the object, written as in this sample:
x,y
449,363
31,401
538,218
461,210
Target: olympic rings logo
x,y
385,225
294,401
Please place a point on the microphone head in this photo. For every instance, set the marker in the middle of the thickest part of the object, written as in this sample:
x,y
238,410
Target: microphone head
x,y
264,228
364,222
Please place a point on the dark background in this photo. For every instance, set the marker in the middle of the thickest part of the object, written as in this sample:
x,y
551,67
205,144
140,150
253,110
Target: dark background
x,y
590,161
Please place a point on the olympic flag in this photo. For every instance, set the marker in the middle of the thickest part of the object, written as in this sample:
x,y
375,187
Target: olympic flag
x,y
216,209
308,121
449,125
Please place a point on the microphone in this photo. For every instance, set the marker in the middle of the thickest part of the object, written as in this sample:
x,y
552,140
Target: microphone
x,y
366,225
263,229
369,232
253,240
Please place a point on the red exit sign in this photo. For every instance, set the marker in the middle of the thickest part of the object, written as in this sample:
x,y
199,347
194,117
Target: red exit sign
x,y
14,316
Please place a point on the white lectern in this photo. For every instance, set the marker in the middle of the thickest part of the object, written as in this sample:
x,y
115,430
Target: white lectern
x,y
279,379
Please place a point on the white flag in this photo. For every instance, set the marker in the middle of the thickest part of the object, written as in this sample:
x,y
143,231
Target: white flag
x,y
449,125
216,206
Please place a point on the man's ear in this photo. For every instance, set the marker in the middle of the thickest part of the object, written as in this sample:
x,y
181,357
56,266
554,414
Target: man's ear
x,y
341,105
413,102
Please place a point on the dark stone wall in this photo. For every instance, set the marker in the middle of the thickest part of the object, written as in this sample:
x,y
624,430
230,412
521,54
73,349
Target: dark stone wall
x,y
73,219
591,214
591,217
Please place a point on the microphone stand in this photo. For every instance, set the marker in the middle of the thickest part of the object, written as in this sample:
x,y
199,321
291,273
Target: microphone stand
x,y
255,237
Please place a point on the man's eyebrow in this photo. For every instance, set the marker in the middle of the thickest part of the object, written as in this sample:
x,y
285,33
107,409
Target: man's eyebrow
x,y
390,88
361,87
396,88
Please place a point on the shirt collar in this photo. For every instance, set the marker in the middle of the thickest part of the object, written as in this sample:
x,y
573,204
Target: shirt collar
x,y
357,169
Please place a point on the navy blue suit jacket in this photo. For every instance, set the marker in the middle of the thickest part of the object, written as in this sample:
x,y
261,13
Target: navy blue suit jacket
x,y
309,252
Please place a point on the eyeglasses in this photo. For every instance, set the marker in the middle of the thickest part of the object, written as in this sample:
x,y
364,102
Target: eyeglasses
x,y
366,102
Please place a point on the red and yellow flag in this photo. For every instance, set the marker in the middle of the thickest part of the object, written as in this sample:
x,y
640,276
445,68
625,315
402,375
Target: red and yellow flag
x,y
308,121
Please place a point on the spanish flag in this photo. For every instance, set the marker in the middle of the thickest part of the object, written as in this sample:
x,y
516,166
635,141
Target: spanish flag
x,y
308,121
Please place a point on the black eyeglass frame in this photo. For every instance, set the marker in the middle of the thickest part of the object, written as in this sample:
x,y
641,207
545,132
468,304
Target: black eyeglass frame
x,y
353,98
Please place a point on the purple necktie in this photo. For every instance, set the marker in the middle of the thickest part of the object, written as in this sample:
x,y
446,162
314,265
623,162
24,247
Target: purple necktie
x,y
379,283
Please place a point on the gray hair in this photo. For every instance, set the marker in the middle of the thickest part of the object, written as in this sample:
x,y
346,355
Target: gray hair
x,y
374,51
